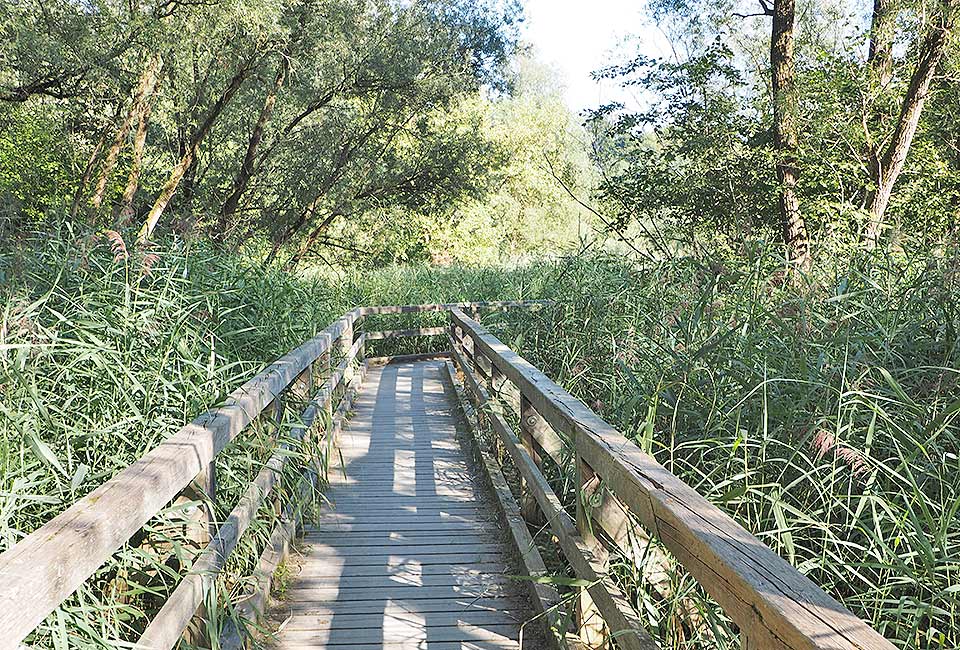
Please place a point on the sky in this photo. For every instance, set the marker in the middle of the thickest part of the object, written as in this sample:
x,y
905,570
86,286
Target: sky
x,y
577,37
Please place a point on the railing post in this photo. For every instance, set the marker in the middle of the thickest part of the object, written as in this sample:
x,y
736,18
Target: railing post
x,y
346,342
303,384
326,369
484,366
529,421
591,627
502,388
457,334
278,406
362,355
199,529
453,334
205,485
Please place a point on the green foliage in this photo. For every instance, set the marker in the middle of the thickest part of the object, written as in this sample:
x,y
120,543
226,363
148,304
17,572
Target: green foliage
x,y
304,114
697,161
529,213
693,165
35,168
823,420
502,205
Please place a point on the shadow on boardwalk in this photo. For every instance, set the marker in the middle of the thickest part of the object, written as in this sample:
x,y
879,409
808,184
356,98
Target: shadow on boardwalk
x,y
409,556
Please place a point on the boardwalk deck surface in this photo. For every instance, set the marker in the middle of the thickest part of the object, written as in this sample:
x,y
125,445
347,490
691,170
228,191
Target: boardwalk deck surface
x,y
410,552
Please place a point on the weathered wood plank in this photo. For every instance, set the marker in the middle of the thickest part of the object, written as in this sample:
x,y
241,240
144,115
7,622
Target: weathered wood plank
x,y
474,580
462,604
418,550
412,644
408,525
374,620
439,540
456,556
400,568
409,309
399,334
404,632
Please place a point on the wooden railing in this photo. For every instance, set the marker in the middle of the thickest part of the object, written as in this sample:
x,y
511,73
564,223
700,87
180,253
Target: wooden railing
x,y
630,497
47,566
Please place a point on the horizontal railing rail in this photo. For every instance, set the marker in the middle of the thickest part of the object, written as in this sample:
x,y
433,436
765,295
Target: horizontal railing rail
x,y
48,565
773,604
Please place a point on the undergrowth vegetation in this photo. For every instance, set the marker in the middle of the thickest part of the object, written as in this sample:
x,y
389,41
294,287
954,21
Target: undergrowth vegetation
x,y
106,350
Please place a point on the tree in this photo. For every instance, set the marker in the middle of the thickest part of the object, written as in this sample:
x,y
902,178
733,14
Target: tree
x,y
784,99
887,162
263,120
142,95
193,146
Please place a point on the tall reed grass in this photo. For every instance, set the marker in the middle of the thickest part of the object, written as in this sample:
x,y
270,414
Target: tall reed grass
x,y
823,418
105,350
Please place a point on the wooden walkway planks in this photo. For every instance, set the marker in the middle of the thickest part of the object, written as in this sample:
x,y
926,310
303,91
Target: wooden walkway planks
x,y
410,554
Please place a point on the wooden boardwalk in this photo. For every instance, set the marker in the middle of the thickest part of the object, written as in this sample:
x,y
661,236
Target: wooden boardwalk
x,y
409,553
414,550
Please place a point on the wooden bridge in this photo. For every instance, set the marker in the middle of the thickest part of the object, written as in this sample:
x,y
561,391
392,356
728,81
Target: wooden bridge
x,y
437,522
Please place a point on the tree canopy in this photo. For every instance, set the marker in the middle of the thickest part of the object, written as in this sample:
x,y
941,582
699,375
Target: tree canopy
x,y
289,127
872,102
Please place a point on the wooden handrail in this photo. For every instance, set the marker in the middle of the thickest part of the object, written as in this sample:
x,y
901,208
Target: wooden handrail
x,y
613,604
173,618
447,306
774,605
408,333
49,564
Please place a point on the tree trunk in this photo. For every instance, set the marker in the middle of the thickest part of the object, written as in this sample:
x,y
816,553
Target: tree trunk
x,y
176,175
248,165
888,167
144,86
880,65
880,55
310,240
124,210
87,173
785,134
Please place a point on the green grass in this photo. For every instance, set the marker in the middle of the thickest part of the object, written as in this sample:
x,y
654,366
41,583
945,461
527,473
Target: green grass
x,y
105,352
823,419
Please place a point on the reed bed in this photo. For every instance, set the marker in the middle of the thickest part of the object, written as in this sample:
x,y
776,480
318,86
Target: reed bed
x,y
822,417
106,350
